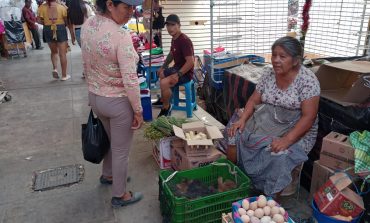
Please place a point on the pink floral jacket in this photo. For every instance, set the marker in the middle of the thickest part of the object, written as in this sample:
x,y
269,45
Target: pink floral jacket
x,y
110,60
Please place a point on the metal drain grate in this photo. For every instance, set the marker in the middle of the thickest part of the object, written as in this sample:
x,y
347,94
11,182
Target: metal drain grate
x,y
57,177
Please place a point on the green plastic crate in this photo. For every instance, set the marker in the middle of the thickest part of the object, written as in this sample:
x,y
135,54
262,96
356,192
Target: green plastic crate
x,y
208,208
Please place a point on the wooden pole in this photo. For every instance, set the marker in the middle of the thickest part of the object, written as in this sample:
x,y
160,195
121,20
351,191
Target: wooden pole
x,y
150,42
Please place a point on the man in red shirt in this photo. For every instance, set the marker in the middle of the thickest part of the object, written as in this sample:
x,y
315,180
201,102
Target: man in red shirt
x,y
182,53
30,18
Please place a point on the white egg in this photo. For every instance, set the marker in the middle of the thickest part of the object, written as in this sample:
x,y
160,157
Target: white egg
x,y
245,218
267,210
261,201
245,204
275,210
259,213
266,219
255,220
253,206
282,211
242,211
278,218
250,213
271,203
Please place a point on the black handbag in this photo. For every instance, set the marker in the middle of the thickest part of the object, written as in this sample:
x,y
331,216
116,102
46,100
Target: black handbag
x,y
95,141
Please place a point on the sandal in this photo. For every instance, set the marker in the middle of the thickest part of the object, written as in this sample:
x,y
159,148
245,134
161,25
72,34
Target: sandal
x,y
65,78
119,202
55,74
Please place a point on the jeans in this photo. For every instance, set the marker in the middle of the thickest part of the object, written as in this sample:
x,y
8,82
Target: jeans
x,y
78,36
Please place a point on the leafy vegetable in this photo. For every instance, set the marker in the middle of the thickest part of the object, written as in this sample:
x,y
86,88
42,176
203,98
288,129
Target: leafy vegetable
x,y
162,127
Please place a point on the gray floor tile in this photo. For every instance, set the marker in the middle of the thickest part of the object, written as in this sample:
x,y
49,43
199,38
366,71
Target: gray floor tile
x,y
25,137
35,112
37,95
80,206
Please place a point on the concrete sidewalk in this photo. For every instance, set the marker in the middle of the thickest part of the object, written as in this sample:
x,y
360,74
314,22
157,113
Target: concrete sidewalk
x,y
40,129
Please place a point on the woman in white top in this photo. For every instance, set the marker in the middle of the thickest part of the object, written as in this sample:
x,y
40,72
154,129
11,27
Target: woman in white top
x,y
78,12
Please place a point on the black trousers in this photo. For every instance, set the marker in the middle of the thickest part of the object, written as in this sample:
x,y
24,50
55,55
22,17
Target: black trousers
x,y
36,37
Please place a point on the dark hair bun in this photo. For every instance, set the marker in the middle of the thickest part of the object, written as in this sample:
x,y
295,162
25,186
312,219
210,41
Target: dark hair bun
x,y
101,5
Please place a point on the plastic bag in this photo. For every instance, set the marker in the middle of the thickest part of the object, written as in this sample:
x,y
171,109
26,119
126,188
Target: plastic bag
x,y
361,142
95,141
14,32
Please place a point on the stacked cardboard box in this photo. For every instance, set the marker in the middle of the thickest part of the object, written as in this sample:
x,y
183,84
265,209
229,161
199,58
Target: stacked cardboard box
x,y
162,152
334,198
337,154
191,153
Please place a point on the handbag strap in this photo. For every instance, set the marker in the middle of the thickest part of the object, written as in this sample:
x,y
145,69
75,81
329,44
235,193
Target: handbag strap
x,y
91,116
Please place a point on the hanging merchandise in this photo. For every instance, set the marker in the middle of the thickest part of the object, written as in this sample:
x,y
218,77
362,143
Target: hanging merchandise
x,y
2,27
158,22
14,32
361,141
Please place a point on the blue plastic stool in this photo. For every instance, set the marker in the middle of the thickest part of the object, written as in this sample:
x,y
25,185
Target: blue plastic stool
x,y
151,74
190,98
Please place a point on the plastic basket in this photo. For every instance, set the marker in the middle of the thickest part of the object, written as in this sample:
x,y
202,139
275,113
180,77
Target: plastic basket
x,y
208,208
238,204
322,218
216,80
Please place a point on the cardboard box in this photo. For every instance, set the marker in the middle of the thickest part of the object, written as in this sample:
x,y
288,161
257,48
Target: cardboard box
x,y
180,161
320,174
162,152
346,82
337,152
335,198
197,147
227,218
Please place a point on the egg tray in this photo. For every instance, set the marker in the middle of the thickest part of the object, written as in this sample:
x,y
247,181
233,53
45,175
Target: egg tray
x,y
206,209
238,204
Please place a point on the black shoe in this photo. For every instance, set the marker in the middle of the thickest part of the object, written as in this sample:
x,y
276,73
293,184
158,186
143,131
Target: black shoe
x,y
158,103
40,48
165,112
119,202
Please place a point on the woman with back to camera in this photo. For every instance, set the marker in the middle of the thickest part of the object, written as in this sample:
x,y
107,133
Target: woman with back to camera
x,y
110,63
78,12
54,18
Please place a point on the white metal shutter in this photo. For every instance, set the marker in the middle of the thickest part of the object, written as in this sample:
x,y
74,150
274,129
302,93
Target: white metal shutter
x,y
337,27
189,11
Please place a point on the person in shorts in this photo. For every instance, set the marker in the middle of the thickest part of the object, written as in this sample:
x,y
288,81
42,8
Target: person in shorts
x,y
182,54
54,18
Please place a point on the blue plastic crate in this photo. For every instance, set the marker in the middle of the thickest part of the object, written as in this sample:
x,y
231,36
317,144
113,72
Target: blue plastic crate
x,y
147,107
216,80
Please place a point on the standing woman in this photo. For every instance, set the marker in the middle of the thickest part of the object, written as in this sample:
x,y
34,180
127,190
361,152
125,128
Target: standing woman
x,y
54,18
78,12
110,62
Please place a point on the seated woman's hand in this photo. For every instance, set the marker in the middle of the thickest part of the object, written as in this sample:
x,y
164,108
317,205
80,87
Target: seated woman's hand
x,y
239,125
280,144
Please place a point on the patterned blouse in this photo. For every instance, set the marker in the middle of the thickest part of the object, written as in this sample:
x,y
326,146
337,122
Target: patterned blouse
x,y
304,86
110,60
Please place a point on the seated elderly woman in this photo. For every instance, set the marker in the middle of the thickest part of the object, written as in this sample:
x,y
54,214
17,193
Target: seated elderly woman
x,y
278,126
